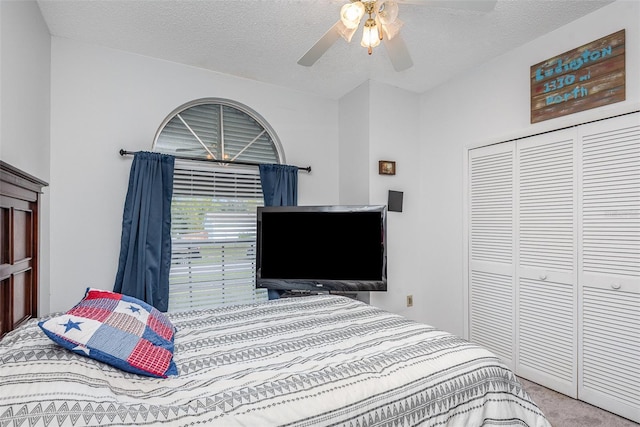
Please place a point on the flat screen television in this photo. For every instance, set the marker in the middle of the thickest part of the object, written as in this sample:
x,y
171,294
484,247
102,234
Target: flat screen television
x,y
322,248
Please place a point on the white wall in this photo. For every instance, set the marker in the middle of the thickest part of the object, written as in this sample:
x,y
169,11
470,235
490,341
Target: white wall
x,y
380,122
103,100
25,54
487,105
353,157
394,135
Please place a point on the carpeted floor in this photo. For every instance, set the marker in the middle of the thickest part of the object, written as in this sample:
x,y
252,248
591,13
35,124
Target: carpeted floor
x,y
563,411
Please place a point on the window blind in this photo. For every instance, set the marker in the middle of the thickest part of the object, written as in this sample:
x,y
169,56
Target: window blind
x,y
213,235
217,131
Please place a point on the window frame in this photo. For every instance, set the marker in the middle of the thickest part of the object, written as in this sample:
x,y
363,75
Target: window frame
x,y
227,103
221,167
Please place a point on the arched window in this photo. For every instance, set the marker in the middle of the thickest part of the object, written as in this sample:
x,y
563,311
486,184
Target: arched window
x,y
213,210
218,129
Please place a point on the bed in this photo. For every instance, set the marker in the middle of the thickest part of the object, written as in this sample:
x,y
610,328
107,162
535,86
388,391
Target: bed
x,y
308,361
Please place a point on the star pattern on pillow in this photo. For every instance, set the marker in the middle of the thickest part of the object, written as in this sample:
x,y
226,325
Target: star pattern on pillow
x,y
71,325
134,309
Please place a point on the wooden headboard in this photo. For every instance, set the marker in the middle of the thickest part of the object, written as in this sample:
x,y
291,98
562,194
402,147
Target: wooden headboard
x,y
19,246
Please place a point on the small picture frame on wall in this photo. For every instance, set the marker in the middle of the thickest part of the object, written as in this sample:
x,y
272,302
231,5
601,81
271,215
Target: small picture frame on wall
x,y
386,167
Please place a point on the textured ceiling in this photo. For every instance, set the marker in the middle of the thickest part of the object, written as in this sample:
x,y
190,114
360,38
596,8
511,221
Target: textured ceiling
x,y
262,39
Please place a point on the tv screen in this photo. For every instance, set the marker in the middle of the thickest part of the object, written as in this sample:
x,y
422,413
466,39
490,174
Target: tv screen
x,y
322,248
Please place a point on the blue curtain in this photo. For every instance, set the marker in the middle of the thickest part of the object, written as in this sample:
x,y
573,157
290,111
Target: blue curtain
x,y
145,246
279,185
280,188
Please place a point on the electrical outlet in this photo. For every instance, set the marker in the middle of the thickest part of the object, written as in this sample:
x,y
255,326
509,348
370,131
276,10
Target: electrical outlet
x,y
409,300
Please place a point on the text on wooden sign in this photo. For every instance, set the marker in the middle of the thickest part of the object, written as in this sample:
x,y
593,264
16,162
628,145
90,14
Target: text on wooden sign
x,y
590,76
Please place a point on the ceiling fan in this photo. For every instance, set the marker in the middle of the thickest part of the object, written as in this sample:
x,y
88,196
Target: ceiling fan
x,y
381,24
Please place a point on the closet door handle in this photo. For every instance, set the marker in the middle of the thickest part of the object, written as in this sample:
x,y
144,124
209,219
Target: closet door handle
x,y
615,286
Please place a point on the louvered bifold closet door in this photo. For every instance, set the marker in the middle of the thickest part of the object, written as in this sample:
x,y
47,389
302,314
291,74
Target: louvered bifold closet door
x,y
546,291
609,360
491,247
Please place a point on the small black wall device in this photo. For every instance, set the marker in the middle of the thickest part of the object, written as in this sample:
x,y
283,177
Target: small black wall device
x,y
394,203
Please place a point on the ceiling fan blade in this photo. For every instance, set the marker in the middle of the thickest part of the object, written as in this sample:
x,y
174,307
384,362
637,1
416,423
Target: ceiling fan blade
x,y
471,5
322,45
398,53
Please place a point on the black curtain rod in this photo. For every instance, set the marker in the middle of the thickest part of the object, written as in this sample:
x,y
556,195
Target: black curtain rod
x,y
199,159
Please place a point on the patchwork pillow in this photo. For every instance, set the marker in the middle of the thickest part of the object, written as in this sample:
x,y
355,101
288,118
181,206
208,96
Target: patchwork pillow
x,y
117,329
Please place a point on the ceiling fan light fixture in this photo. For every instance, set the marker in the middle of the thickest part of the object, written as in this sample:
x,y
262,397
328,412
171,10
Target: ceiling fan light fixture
x,y
382,25
351,14
370,35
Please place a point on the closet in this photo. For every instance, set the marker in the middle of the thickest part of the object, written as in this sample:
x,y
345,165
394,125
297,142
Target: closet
x,y
554,259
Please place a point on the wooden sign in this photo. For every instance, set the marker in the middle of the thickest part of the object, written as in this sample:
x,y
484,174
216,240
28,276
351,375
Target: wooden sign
x,y
587,77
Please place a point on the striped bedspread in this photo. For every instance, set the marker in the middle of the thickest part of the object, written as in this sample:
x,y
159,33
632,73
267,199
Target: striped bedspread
x,y
312,361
